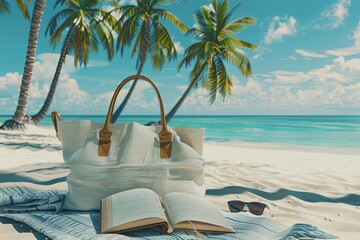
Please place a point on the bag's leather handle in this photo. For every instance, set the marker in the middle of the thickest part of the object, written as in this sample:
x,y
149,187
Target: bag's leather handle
x,y
105,134
54,115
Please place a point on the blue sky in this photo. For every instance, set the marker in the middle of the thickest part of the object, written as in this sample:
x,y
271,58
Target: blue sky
x,y
308,62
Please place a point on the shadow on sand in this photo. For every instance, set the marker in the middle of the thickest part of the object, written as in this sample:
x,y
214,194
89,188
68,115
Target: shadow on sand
x,y
351,199
42,174
32,145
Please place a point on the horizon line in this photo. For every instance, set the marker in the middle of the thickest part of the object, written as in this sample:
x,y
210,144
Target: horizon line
x,y
206,115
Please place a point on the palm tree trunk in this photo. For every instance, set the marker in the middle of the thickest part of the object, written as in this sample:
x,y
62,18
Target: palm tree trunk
x,y
172,112
17,121
176,107
131,90
41,114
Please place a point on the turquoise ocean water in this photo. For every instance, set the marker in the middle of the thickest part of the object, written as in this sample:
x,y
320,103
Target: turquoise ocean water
x,y
322,132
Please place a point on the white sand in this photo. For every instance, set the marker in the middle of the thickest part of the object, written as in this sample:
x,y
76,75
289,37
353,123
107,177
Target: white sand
x,y
318,188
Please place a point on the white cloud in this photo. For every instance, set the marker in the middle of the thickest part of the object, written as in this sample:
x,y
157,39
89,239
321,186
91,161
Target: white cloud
x,y
71,94
139,99
68,93
280,27
3,101
37,91
107,96
286,77
182,88
340,71
289,58
210,7
343,51
352,50
10,80
257,56
310,54
333,86
45,67
117,15
356,37
179,48
336,14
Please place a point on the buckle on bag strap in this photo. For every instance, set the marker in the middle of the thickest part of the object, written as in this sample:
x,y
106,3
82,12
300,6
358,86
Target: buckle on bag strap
x,y
54,116
104,143
165,138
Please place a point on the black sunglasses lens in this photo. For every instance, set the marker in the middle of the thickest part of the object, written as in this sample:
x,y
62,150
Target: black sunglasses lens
x,y
256,208
236,206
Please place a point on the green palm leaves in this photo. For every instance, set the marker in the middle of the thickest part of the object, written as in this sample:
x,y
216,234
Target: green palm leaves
x,y
4,7
89,26
142,23
216,44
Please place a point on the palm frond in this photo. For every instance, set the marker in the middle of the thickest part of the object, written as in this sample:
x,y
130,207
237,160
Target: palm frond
x,y
196,50
231,42
239,59
53,23
126,12
199,73
138,39
220,14
211,48
212,81
207,23
57,32
172,19
4,7
156,50
144,45
23,8
104,35
216,45
237,25
165,2
224,81
127,32
195,33
166,42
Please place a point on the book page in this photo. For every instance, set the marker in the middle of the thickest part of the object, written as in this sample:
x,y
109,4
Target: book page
x,y
134,205
182,208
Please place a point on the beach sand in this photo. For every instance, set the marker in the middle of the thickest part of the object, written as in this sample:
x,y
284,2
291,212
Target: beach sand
x,y
321,188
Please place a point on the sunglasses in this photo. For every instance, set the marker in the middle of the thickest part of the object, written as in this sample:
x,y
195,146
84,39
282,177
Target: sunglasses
x,y
255,208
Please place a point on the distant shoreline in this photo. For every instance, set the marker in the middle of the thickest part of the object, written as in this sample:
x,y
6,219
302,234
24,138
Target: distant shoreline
x,y
145,115
310,133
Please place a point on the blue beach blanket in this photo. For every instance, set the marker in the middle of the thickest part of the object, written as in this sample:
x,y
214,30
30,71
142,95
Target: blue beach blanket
x,y
40,209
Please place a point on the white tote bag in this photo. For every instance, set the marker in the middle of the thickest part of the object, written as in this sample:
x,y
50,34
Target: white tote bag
x,y
108,158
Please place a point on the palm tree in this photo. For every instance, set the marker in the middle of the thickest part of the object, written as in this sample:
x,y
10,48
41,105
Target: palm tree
x,y
215,45
142,23
17,121
86,25
4,7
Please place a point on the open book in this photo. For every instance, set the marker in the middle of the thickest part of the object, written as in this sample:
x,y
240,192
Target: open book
x,y
143,208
